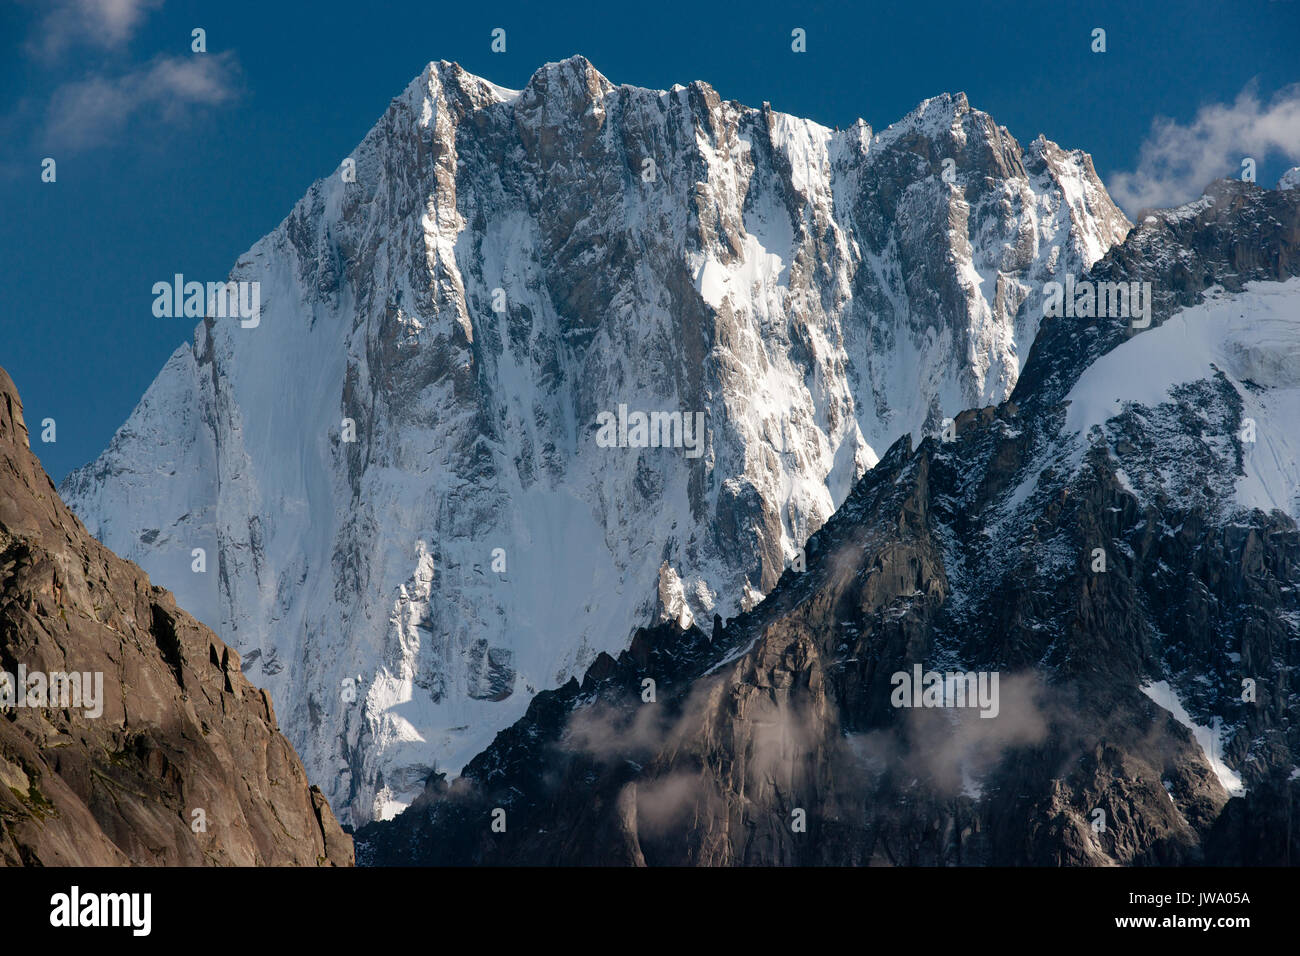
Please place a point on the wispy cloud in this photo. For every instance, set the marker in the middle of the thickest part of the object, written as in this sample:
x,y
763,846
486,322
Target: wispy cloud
x,y
91,112
1177,161
106,24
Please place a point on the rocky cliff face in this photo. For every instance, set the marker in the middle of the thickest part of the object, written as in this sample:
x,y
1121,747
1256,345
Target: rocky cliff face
x,y
507,268
1116,542
165,754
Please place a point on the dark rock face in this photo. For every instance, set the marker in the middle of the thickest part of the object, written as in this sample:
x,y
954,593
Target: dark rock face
x,y
774,740
179,761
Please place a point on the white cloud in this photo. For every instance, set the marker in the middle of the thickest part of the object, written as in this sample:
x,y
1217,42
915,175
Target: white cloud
x,y
102,23
1177,162
92,111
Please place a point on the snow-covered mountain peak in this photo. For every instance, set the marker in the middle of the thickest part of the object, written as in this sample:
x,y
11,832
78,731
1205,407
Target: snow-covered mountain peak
x,y
933,116
427,479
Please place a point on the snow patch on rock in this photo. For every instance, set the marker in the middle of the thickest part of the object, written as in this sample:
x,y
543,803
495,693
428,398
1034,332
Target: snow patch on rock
x,y
1209,738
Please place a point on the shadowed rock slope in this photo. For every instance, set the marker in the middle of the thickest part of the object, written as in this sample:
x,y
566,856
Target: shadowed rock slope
x,y
181,730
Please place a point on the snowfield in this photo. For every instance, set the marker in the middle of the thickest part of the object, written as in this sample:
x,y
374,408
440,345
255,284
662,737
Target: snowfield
x,y
1253,338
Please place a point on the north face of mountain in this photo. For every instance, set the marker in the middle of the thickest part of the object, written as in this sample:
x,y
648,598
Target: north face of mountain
x,y
166,755
411,521
1117,542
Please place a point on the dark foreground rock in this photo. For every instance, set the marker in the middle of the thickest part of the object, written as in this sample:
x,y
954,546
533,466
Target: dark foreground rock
x,y
184,766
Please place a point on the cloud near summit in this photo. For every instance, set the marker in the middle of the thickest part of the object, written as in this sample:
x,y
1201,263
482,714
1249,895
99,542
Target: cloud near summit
x,y
1177,161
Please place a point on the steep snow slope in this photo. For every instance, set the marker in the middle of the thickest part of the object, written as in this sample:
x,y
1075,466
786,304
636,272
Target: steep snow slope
x,y
1253,339
507,266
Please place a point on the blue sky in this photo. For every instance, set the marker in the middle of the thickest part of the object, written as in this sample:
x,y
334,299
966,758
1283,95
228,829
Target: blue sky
x,y
170,161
